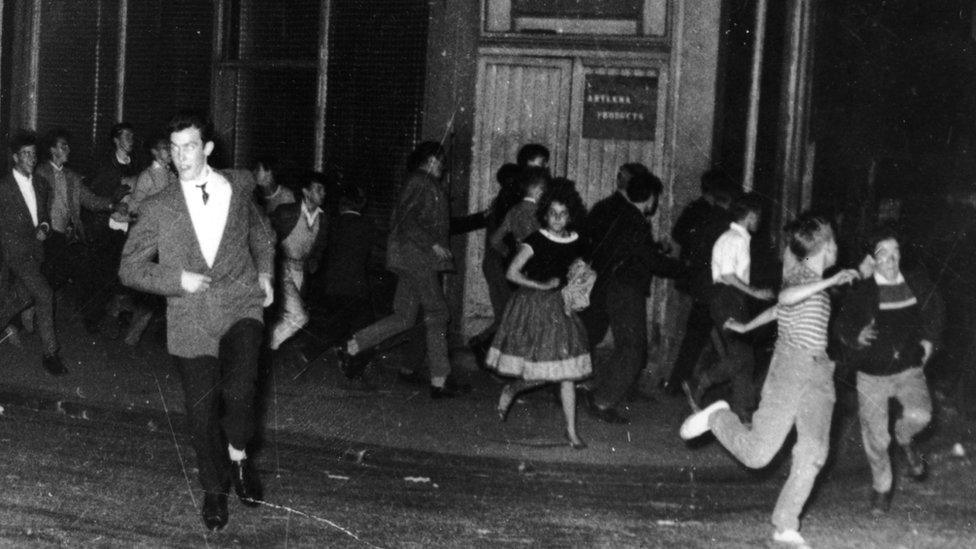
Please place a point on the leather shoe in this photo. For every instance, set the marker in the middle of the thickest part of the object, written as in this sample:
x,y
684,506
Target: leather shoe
x,y
247,483
607,415
880,502
214,511
916,464
52,363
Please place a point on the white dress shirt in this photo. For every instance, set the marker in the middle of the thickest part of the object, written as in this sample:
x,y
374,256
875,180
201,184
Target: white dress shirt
x,y
208,219
730,254
26,186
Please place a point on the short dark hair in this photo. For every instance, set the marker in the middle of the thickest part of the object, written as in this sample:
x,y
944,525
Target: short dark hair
x,y
51,139
157,140
351,197
191,119
313,177
746,204
507,175
635,169
808,233
423,153
714,180
530,177
563,191
21,139
530,151
642,186
885,231
117,129
267,161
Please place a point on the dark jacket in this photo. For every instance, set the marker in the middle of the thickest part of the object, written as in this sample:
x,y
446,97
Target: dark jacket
x,y
347,256
696,230
421,218
860,306
18,235
196,322
622,246
79,196
112,181
283,220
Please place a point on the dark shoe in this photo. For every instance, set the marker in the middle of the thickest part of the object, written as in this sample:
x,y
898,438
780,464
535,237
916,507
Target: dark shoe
x,y
437,393
608,415
52,363
917,470
353,365
247,483
412,378
214,511
880,502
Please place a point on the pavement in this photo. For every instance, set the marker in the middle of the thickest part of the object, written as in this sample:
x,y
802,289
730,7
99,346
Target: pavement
x,y
307,399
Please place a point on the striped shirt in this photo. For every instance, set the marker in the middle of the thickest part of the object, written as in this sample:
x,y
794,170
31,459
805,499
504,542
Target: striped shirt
x,y
803,325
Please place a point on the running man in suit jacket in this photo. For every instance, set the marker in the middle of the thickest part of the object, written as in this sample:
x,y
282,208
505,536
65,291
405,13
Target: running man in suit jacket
x,y
215,260
24,225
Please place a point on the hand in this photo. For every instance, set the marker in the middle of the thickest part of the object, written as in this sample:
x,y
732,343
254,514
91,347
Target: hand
x,y
442,253
928,347
264,280
845,276
866,268
551,284
734,326
765,294
194,282
867,336
40,234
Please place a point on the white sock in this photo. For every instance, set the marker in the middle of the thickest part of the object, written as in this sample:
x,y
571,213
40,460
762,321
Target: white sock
x,y
352,347
235,454
438,381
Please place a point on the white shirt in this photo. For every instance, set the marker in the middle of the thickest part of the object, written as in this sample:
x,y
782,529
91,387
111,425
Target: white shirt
x,y
26,185
310,217
208,219
730,255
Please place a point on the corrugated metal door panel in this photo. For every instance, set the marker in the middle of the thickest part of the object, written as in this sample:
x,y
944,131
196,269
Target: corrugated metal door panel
x,y
78,52
376,73
169,52
519,101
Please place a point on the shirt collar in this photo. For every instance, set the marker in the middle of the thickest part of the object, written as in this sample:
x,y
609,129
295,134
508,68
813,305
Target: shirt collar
x,y
202,180
531,199
55,166
741,230
310,217
21,178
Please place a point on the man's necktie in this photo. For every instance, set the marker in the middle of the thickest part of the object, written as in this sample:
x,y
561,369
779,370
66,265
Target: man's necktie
x,y
203,191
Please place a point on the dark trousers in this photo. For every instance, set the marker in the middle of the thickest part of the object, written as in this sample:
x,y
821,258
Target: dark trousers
x,y
106,254
27,272
623,309
697,331
737,360
65,260
219,397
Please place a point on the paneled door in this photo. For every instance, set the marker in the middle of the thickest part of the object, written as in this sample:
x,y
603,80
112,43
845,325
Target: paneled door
x,y
519,100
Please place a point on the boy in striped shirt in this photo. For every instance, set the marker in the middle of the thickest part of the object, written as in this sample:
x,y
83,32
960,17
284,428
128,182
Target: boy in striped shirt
x,y
799,388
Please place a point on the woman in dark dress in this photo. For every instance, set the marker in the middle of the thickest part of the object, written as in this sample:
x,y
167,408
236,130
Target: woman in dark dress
x,y
538,341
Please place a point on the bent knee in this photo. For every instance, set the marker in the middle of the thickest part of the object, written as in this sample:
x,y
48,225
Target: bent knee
x,y
917,416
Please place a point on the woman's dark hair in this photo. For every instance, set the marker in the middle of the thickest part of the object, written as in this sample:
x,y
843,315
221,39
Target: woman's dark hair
x,y
808,233
563,191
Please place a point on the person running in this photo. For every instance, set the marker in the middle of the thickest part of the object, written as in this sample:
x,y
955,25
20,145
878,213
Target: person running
x,y
538,340
799,388
891,323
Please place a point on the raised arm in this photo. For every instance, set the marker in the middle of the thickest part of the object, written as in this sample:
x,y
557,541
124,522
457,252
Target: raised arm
x,y
794,294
